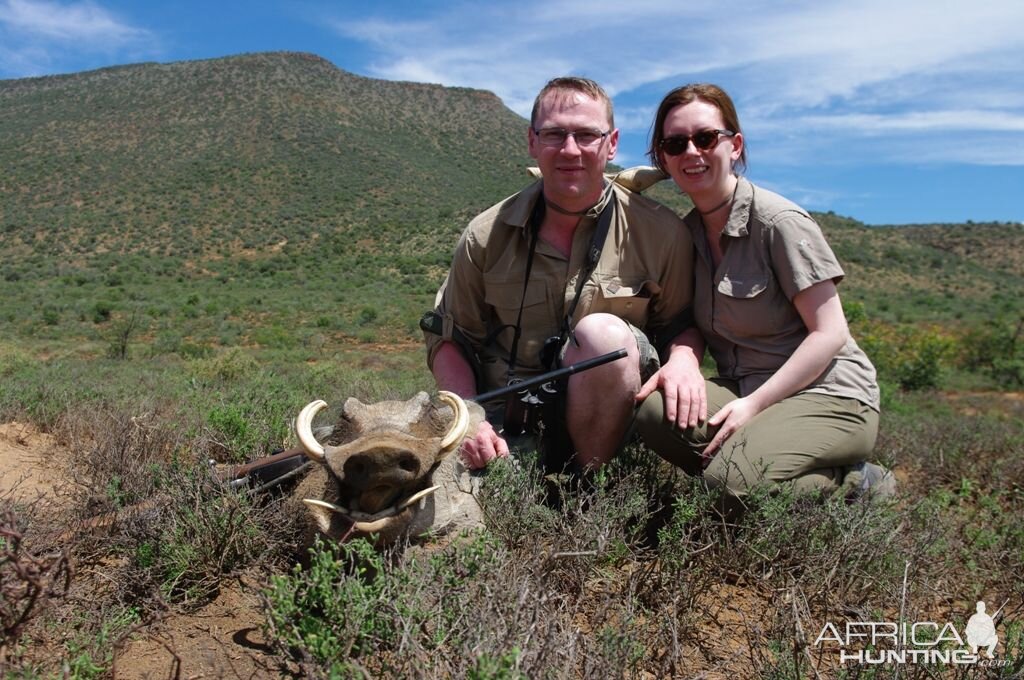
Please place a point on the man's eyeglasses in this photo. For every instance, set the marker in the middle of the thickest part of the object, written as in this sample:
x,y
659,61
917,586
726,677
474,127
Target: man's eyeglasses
x,y
705,140
557,136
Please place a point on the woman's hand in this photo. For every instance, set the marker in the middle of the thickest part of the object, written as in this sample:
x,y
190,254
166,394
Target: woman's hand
x,y
684,392
729,418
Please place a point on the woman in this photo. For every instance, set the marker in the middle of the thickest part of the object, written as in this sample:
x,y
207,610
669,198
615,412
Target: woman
x,y
795,400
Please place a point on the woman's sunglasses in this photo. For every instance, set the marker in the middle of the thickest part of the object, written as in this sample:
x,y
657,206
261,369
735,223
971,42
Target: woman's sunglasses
x,y
705,140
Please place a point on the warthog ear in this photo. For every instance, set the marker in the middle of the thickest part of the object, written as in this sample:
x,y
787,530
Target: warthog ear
x,y
352,409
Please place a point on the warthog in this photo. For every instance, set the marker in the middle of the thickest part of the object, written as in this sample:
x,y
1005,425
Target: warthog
x,y
387,468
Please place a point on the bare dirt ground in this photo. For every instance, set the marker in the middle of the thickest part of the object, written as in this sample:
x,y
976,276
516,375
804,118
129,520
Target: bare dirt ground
x,y
23,457
221,640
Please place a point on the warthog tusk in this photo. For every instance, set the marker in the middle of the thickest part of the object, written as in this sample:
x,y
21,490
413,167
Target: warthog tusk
x,y
304,429
361,526
357,516
416,496
371,527
351,515
326,506
461,424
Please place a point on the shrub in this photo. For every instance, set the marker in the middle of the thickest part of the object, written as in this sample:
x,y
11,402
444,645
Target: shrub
x,y
204,533
327,614
911,357
996,348
51,315
230,366
367,315
27,582
101,311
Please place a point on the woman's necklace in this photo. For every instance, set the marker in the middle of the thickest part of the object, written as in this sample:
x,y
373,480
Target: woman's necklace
x,y
717,207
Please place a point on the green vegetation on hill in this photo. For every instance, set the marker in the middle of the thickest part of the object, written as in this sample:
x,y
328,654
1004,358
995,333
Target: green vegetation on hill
x,y
220,196
274,200
933,274
226,156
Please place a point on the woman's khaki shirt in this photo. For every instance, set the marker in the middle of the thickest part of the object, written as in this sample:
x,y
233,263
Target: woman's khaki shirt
x,y
771,250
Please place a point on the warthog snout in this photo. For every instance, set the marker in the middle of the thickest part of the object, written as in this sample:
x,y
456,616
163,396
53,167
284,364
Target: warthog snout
x,y
378,477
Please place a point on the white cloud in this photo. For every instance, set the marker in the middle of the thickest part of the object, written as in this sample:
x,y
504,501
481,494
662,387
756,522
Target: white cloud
x,y
974,120
38,34
855,68
77,21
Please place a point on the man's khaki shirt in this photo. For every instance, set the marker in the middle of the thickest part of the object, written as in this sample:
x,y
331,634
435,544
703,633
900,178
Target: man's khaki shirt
x,y
771,250
644,276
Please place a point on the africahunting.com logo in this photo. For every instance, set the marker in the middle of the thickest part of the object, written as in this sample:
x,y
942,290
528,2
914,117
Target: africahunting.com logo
x,y
920,642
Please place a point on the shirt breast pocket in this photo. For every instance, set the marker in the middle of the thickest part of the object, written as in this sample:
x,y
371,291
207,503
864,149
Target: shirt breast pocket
x,y
743,287
505,297
628,300
744,306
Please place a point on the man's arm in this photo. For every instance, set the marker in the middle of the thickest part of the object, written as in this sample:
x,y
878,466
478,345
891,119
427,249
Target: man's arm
x,y
453,372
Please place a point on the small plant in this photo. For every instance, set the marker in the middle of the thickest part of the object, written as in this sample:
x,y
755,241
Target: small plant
x,y
335,611
203,533
101,311
27,583
122,333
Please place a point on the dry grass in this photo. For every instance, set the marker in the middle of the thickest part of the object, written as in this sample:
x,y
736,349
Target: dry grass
x,y
638,577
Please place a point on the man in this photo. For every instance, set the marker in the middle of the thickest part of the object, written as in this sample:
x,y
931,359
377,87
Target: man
x,y
492,314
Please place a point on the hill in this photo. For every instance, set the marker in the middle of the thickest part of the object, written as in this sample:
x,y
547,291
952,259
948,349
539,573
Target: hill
x,y
937,274
264,199
241,153
142,177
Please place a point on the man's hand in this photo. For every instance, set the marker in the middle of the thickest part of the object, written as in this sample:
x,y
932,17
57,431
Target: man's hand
x,y
686,398
483,447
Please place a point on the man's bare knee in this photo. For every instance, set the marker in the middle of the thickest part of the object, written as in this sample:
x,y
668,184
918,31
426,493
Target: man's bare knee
x,y
598,334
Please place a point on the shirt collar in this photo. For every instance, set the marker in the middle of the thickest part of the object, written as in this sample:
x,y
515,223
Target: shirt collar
x,y
521,208
739,215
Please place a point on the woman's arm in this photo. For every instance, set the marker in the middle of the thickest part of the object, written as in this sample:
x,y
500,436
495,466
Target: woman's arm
x,y
822,314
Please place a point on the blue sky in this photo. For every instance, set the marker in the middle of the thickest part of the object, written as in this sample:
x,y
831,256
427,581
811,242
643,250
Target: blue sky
x,y
888,111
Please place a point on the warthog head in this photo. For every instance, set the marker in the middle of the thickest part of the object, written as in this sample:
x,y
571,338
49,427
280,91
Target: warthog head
x,y
381,468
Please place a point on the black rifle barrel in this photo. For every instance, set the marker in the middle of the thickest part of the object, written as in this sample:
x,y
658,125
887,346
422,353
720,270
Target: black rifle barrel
x,y
556,374
276,466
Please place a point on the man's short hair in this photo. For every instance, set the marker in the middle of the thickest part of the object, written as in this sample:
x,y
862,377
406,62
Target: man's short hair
x,y
574,84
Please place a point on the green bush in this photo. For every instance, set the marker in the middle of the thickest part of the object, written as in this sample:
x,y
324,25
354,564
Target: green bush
x,y
334,611
101,311
201,541
997,349
51,315
229,366
912,357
